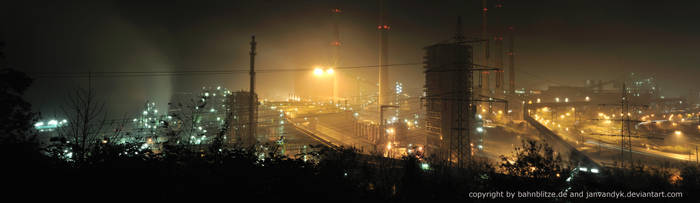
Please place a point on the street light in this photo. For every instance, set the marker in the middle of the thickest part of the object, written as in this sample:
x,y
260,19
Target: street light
x,y
319,72
381,118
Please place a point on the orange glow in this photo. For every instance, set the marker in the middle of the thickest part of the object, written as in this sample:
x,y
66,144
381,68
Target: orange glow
x,y
318,71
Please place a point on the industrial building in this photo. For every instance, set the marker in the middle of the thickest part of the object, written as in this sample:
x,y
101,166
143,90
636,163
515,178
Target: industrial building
x,y
239,121
448,89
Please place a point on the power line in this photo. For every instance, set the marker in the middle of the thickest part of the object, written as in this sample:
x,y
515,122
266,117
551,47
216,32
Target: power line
x,y
191,72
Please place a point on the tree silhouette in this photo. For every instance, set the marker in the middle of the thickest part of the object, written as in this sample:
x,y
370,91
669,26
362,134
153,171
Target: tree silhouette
x,y
86,120
16,116
534,160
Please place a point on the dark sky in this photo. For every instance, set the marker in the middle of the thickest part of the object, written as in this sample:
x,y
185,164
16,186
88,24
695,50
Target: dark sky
x,y
563,42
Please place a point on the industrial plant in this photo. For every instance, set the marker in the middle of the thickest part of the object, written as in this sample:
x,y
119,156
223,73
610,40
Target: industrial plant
x,y
385,100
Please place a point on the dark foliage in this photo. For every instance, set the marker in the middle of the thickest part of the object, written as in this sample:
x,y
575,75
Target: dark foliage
x,y
16,116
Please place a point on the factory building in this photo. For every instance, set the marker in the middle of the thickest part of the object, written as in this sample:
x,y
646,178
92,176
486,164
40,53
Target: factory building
x,y
448,84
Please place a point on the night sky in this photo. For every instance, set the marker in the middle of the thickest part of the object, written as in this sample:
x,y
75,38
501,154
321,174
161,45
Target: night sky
x,y
557,42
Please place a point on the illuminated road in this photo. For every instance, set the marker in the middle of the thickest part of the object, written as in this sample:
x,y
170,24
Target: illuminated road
x,y
320,125
664,140
641,151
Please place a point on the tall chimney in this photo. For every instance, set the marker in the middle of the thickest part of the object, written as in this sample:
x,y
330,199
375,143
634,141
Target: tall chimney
x,y
252,103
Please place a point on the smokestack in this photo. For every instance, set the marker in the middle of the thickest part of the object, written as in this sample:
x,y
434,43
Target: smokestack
x,y
336,50
484,75
499,62
459,34
252,103
384,86
511,56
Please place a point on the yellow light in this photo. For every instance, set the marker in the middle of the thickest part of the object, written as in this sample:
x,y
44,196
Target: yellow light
x,y
330,71
677,132
318,71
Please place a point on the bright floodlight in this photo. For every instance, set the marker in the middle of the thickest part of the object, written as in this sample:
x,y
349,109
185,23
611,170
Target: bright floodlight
x,y
425,166
318,71
330,71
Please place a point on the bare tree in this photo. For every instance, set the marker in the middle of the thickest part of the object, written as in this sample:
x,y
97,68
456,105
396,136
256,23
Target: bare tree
x,y
86,118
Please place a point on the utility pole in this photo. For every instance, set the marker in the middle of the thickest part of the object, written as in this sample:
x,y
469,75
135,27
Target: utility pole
x,y
625,123
252,103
